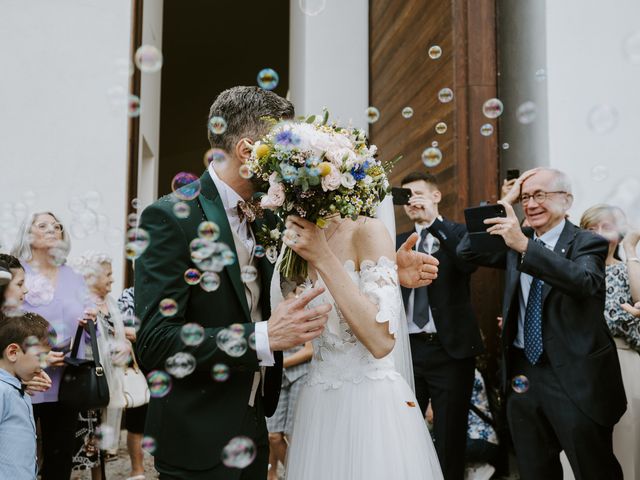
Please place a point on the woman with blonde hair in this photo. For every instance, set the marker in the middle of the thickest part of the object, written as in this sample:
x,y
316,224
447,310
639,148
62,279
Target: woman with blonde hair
x,y
622,287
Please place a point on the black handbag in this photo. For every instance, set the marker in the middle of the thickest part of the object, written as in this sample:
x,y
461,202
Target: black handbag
x,y
84,383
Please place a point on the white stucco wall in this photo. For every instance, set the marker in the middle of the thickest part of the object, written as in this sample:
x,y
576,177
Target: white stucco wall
x,y
329,59
63,120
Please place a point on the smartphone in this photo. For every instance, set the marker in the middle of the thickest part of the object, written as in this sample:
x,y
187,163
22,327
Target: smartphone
x,y
401,196
513,173
480,240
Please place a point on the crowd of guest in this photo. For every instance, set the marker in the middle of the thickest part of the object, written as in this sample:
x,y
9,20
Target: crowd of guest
x,y
570,341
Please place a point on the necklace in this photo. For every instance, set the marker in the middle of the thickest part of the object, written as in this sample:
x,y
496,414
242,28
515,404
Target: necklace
x,y
334,232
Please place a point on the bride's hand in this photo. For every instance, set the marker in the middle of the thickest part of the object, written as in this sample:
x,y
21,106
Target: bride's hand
x,y
306,239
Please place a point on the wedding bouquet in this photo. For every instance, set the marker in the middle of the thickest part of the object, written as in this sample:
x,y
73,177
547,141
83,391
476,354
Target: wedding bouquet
x,y
317,170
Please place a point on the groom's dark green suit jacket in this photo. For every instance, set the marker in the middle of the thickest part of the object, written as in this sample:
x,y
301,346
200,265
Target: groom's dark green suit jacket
x,y
196,419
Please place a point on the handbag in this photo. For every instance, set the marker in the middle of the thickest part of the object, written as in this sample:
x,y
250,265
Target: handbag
x,y
134,385
84,383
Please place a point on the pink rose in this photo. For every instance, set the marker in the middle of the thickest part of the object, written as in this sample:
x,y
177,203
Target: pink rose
x,y
331,181
274,197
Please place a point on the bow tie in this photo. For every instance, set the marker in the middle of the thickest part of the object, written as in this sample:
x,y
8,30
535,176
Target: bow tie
x,y
249,210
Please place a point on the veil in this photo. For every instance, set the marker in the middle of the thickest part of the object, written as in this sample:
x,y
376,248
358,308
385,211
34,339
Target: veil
x,y
401,351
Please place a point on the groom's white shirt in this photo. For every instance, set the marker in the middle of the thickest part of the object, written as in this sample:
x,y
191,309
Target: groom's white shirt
x,y
230,199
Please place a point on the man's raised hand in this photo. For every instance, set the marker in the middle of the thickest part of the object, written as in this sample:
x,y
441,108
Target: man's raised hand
x,y
292,324
415,269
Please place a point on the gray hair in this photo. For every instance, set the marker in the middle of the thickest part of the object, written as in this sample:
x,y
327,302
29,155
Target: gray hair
x,y
22,247
246,111
561,180
87,264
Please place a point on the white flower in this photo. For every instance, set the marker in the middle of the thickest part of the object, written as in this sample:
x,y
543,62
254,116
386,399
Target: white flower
x,y
332,180
274,197
274,234
367,180
336,156
274,178
348,181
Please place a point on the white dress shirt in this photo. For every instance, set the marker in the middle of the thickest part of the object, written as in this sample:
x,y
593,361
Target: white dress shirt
x,y
550,239
430,327
230,199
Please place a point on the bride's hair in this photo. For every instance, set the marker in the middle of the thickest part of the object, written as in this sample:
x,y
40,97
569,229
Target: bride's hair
x,y
246,111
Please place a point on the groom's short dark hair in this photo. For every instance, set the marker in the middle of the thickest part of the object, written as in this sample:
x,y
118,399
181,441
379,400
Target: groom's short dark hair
x,y
245,110
426,177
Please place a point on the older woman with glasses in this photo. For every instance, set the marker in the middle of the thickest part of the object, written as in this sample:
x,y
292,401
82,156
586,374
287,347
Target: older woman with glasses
x,y
59,295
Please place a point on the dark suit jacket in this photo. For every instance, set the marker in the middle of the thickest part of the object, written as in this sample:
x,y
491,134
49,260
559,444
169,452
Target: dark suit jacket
x,y
449,295
576,339
199,416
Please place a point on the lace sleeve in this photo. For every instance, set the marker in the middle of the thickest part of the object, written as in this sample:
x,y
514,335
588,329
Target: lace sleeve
x,y
379,282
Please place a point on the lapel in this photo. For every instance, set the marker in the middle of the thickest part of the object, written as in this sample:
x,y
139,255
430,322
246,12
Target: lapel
x,y
213,209
562,247
512,280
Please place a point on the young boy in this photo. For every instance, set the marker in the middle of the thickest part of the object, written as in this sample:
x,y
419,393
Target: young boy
x,y
24,346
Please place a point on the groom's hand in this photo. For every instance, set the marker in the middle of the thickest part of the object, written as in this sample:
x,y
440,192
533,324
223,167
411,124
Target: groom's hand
x,y
415,269
292,324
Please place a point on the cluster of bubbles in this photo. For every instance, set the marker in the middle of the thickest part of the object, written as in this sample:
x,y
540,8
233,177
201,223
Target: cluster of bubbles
x,y
240,452
231,340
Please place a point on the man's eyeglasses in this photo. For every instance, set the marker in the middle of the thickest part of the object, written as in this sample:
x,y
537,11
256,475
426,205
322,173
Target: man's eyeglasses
x,y
43,227
540,197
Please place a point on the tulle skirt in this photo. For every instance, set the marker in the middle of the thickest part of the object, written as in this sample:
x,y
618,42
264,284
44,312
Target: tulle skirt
x,y
361,431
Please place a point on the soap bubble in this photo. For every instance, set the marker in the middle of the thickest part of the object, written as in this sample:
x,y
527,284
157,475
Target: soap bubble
x,y
372,114
210,281
209,231
181,210
602,118
245,171
520,384
220,372
492,108
526,113
445,95
192,276
217,125
259,251
149,444
407,112
541,75
435,52
134,106
312,7
248,274
137,242
268,78
168,307
431,157
159,383
599,173
240,452
486,130
441,128
181,364
631,48
215,155
148,59
192,334
185,186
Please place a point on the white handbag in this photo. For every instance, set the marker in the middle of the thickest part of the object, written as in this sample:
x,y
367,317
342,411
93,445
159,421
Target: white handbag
x,y
134,385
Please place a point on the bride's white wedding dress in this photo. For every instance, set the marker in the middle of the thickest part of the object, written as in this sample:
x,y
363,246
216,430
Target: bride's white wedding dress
x,y
357,418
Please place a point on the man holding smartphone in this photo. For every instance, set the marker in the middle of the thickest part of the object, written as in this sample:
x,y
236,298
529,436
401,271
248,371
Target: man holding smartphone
x,y
443,331
558,356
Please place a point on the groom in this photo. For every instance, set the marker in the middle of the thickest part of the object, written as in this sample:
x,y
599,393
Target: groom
x,y
198,417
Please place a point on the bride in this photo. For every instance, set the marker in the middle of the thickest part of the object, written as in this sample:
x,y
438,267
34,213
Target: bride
x,y
357,417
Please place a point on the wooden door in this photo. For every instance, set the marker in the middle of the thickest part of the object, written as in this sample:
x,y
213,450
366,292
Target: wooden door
x,y
403,73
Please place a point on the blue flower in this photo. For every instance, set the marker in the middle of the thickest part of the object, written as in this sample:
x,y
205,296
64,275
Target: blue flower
x,y
358,173
289,172
286,138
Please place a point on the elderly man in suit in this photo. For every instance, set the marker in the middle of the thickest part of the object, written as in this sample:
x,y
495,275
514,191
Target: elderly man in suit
x,y
558,355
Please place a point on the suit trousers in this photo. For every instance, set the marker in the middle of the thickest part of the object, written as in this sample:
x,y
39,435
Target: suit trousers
x,y
544,421
447,382
58,424
257,470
